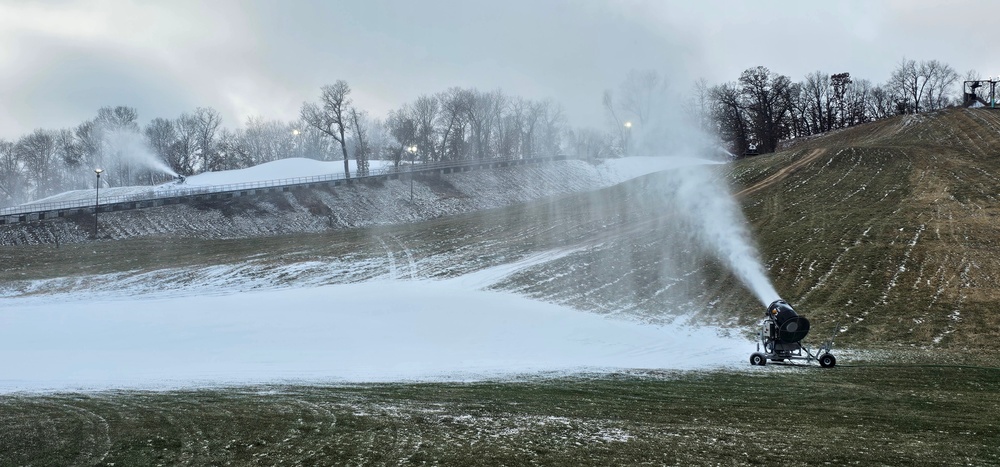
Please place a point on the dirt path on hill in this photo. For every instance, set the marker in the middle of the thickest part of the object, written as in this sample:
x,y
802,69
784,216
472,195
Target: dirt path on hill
x,y
782,174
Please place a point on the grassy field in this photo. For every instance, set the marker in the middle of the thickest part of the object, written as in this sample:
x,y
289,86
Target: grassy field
x,y
897,414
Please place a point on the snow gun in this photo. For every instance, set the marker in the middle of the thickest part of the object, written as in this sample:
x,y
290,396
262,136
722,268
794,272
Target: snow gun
x,y
781,334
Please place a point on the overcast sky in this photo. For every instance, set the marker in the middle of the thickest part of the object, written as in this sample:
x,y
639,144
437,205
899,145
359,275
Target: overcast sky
x,y
62,60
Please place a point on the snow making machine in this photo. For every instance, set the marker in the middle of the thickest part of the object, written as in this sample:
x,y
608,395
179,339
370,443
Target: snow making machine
x,y
781,333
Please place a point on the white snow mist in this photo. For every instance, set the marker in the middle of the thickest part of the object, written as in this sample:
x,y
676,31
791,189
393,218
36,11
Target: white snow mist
x,y
702,200
718,225
130,148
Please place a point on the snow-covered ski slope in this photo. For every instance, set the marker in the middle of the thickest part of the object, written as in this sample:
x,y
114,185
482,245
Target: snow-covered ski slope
x,y
318,210
224,326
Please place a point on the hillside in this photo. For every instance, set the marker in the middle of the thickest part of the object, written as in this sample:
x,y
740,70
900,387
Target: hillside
x,y
886,229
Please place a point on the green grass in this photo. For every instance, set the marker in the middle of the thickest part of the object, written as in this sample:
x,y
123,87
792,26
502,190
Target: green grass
x,y
865,415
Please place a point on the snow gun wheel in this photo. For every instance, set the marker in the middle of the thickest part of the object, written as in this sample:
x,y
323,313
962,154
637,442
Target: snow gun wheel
x,y
827,360
758,359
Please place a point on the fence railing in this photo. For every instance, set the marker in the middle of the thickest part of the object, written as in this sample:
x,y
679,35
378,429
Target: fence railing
x,y
173,190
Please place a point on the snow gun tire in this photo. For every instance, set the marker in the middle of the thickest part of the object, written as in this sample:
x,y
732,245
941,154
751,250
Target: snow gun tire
x,y
827,361
758,359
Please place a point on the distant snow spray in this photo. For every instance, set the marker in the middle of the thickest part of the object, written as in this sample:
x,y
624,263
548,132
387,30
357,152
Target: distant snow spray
x,y
130,147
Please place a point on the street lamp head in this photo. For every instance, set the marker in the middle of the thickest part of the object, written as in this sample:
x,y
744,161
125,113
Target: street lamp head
x,y
412,149
628,124
296,132
98,172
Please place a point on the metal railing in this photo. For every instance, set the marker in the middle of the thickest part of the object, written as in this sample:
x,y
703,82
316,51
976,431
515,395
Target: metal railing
x,y
163,192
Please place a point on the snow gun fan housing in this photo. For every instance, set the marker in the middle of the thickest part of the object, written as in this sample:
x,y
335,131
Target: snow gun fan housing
x,y
782,331
785,325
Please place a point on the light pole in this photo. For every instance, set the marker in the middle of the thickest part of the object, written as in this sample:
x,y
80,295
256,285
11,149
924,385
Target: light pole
x,y
97,199
628,135
413,152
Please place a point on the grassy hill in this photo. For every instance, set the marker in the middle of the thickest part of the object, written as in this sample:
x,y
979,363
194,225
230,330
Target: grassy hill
x,y
887,228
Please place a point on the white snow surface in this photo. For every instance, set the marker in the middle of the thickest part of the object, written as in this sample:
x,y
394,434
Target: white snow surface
x,y
613,170
377,331
365,332
296,167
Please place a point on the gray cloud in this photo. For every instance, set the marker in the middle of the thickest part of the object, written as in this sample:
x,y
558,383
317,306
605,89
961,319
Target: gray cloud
x,y
60,61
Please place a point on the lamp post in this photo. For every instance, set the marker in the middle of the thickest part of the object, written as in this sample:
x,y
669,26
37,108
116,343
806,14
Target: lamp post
x,y
97,199
413,152
628,135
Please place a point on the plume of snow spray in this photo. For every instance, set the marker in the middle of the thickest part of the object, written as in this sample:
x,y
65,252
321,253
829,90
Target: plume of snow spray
x,y
129,147
717,223
702,199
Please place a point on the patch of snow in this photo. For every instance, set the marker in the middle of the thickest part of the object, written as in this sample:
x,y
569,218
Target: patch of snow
x,y
282,169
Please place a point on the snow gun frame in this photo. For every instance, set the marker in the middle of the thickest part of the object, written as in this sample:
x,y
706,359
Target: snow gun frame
x,y
781,331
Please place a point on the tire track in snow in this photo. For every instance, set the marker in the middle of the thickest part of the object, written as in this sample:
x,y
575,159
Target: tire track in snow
x,y
393,272
411,265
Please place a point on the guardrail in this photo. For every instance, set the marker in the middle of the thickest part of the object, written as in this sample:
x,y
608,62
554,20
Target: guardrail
x,y
162,194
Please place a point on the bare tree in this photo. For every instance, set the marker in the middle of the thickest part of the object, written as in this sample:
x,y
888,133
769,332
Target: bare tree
x,y
883,103
697,106
12,176
856,101
483,114
403,129
362,149
118,118
589,143
160,137
817,105
207,125
641,92
617,124
38,151
553,124
768,102
453,121
183,152
940,79
730,115
907,79
89,137
330,116
425,114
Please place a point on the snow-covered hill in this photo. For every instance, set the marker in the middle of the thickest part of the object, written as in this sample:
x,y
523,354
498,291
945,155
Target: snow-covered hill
x,y
318,209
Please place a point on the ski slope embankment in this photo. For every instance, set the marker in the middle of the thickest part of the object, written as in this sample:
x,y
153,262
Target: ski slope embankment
x,y
322,209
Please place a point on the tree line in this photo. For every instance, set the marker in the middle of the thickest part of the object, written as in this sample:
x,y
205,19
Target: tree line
x,y
751,114
762,108
453,125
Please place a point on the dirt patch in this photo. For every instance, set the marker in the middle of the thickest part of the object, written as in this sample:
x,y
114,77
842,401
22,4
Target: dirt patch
x,y
783,173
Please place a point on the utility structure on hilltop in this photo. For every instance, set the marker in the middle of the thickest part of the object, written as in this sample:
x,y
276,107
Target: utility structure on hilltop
x,y
971,95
